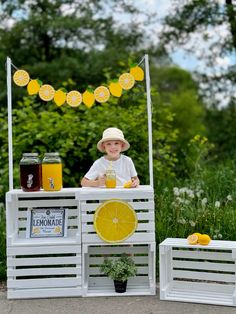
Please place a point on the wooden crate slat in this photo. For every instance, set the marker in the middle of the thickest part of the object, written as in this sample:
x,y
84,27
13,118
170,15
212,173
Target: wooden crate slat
x,y
203,287
149,226
137,259
140,270
68,260
71,213
137,237
224,267
149,216
118,249
43,271
43,283
11,251
147,205
185,274
47,203
195,254
44,293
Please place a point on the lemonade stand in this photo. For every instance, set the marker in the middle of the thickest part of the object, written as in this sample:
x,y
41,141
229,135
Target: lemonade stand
x,y
57,240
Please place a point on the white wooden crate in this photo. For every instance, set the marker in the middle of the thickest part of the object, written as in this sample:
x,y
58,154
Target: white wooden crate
x,y
44,271
97,284
141,199
19,202
196,273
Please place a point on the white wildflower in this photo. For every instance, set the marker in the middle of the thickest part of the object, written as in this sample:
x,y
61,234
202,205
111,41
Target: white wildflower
x,y
199,192
182,221
192,223
176,191
217,204
204,201
229,197
220,236
183,190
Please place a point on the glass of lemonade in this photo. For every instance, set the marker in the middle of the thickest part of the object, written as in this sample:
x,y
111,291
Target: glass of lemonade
x,y
110,180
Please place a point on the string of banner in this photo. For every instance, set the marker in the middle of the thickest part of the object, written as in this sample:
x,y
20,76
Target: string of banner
x,y
74,98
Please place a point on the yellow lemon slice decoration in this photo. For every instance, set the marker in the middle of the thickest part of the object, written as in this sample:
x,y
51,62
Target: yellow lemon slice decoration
x,y
115,221
126,81
102,94
115,89
21,78
33,87
88,98
74,98
137,73
59,97
46,92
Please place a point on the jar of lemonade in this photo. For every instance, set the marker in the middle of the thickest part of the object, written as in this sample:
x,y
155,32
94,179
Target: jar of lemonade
x,y
110,179
30,172
52,172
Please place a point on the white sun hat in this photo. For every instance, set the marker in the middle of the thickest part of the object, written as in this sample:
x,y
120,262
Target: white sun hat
x,y
112,134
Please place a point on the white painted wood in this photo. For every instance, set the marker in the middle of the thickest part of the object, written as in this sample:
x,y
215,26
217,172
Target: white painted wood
x,y
44,293
9,117
97,284
196,273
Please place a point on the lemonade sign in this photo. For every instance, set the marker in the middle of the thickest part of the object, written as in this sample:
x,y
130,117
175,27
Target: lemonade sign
x,y
46,222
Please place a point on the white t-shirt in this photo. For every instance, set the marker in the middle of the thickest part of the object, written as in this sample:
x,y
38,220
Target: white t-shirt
x,y
124,168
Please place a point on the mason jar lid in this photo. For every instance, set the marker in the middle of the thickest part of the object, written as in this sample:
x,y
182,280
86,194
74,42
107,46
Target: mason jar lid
x,y
30,154
55,154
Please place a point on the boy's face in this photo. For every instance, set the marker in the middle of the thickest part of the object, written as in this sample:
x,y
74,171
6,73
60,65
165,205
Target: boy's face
x,y
113,148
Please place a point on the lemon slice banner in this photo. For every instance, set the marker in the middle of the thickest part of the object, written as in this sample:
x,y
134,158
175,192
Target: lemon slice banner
x,y
74,98
115,221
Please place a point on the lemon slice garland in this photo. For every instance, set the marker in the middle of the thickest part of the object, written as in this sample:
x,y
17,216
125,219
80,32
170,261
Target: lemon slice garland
x,y
115,221
74,98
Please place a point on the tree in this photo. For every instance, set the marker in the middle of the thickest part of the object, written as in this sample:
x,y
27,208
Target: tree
x,y
206,28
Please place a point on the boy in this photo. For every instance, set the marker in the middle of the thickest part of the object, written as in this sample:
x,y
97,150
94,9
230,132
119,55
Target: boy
x,y
112,144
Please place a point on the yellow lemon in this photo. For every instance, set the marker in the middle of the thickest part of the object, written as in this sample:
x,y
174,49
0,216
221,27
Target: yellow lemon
x,y
21,78
33,87
88,98
204,239
192,239
127,184
46,92
102,94
74,98
126,81
115,89
137,73
59,97
115,221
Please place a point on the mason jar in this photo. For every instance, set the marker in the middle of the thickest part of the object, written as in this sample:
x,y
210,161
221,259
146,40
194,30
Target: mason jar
x,y
110,179
52,172
30,172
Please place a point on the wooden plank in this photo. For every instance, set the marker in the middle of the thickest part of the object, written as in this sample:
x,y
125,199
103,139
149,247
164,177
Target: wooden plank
x,y
149,226
196,254
137,237
204,265
12,251
72,212
47,203
147,205
68,260
194,275
137,260
118,249
43,283
203,286
44,271
149,216
214,244
140,270
44,293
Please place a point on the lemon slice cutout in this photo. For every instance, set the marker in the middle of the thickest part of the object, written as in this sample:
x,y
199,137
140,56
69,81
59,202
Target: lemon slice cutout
x,y
192,239
137,73
46,92
33,87
74,98
101,94
115,89
21,78
126,81
115,221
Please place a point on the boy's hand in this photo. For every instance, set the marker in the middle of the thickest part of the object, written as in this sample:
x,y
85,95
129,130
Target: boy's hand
x,y
135,182
101,181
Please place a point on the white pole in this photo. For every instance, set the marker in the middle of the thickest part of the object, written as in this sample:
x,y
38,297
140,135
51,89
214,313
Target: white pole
x,y
149,112
9,110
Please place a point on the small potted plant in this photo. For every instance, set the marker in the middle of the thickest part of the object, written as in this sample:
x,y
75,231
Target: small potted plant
x,y
119,270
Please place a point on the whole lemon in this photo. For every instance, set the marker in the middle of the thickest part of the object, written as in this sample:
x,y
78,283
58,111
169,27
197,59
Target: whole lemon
x,y
204,239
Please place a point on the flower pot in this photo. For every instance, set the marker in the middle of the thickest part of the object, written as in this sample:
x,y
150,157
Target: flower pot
x,y
120,286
